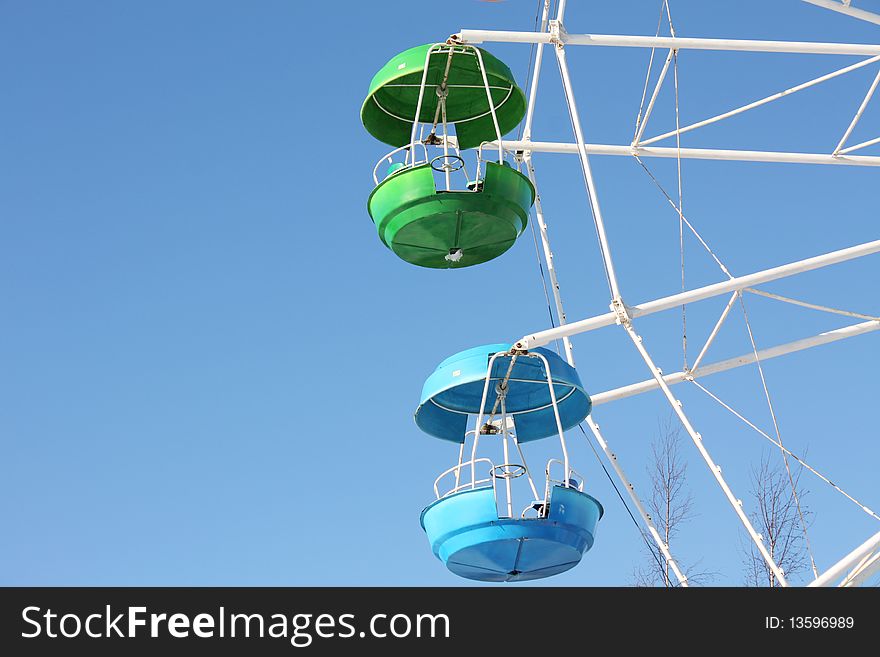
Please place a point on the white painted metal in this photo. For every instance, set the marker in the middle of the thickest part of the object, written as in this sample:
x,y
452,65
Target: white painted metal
x,y
479,424
643,123
533,89
762,101
622,314
530,170
474,483
588,173
410,158
458,470
782,447
689,153
617,303
560,314
839,569
548,260
737,283
731,363
679,43
491,105
716,328
615,293
868,567
421,98
807,304
859,113
845,8
697,439
543,359
526,466
560,10
633,496
566,481
863,144
505,438
569,355
446,165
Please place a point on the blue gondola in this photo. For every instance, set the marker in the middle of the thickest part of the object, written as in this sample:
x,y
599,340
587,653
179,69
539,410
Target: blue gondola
x,y
534,395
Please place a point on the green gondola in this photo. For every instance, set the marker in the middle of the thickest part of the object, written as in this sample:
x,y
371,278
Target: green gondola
x,y
423,223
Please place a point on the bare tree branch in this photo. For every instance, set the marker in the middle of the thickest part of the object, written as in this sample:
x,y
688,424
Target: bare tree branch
x,y
670,506
777,519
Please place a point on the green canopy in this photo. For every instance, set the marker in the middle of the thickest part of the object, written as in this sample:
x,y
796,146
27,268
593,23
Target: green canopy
x,y
390,106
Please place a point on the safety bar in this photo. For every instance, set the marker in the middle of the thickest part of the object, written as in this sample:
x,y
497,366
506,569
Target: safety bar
x,y
460,485
407,164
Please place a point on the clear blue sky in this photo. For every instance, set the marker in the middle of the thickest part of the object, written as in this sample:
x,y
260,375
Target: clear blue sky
x,y
210,362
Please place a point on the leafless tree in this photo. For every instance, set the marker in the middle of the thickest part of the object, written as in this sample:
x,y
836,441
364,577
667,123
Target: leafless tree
x,y
779,521
670,506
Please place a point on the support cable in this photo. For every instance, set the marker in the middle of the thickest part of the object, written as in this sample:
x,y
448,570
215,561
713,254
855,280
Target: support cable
x,y
569,356
687,223
811,306
684,342
543,280
650,547
797,458
794,492
661,546
681,223
648,75
522,126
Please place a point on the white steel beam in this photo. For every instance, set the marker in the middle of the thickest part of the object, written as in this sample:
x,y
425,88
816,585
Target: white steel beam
x,y
845,8
629,150
679,43
839,569
604,246
859,113
643,120
765,100
560,313
697,438
646,518
548,260
615,294
569,356
715,329
731,363
560,10
698,294
536,74
869,142
865,570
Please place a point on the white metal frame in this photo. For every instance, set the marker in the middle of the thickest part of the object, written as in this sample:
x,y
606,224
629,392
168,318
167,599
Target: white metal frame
x,y
698,294
458,487
845,7
447,141
501,391
865,560
508,470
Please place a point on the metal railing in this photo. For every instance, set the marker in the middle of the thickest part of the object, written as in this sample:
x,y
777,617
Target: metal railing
x,y
408,163
471,483
444,163
505,155
571,479
567,481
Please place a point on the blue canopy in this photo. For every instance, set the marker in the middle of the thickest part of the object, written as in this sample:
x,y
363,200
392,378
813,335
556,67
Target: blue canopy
x,y
455,390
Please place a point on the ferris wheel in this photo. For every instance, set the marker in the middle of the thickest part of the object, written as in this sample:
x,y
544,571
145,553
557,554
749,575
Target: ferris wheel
x,y
455,192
